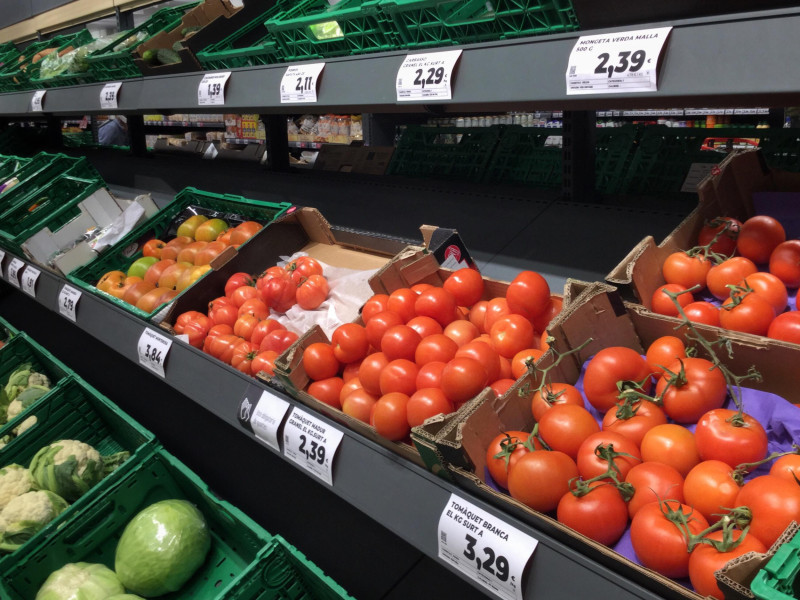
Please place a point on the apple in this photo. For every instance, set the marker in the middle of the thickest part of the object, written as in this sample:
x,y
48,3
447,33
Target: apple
x,y
139,267
210,230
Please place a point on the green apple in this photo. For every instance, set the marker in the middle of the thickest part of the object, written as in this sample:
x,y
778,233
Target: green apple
x,y
139,267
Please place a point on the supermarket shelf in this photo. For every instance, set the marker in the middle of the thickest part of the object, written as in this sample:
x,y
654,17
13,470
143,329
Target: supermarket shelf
x,y
192,124
244,141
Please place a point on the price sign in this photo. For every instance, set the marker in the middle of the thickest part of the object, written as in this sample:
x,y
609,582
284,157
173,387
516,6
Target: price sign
x,y
265,417
153,349
109,95
211,90
491,552
2,258
68,302
616,63
299,83
29,277
14,267
426,76
37,101
311,443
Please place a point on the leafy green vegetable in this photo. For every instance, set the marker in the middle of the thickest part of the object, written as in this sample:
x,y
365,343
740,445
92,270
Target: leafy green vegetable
x,y
81,581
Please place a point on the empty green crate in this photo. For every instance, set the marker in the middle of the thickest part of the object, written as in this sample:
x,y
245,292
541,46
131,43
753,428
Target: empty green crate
x,y
164,226
512,159
614,150
780,147
9,54
75,411
23,75
425,23
10,165
91,535
315,29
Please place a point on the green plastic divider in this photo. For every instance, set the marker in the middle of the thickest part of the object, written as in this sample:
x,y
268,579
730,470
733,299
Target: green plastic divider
x,y
91,535
518,157
779,580
10,165
23,75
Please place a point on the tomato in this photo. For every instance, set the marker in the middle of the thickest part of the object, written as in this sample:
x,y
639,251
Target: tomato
x,y
435,348
243,354
466,286
528,294
197,330
110,278
278,340
136,290
436,303
662,304
769,287
495,310
379,324
220,329
785,327
262,328
402,302
511,334
400,341
565,427
430,375
718,437
369,372
376,304
786,467
784,263
687,271
425,326
278,293
711,489
390,416
664,351
728,272
461,331
242,293
552,394
236,281
607,368
255,307
524,360
553,309
264,278
463,378
350,343
501,386
703,312
312,292
399,375
426,403
418,288
758,237
359,404
634,421
671,444
303,267
659,543
222,346
350,385
746,312
263,361
155,271
184,318
245,325
243,232
319,361
509,446
592,463
706,560
653,481
540,479
153,248
601,514
774,503
697,387
477,315
725,230
485,355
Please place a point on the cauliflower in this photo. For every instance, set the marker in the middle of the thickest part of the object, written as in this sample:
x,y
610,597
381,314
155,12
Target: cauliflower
x,y
38,379
25,425
14,409
83,453
26,515
15,480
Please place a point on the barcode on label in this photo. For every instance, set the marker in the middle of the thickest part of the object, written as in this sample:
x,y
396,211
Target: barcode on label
x,y
443,536
399,83
572,70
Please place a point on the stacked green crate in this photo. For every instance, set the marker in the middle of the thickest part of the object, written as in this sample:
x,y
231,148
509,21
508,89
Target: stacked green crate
x,y
63,71
9,54
522,157
23,74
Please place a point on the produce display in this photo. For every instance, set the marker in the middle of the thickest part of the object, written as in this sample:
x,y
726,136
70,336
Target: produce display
x,y
23,387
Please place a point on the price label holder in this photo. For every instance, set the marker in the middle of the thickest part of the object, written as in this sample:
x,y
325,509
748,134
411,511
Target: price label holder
x,y
262,413
2,258
109,95
483,547
37,101
616,63
299,83
14,268
426,76
68,302
153,349
29,277
311,443
211,90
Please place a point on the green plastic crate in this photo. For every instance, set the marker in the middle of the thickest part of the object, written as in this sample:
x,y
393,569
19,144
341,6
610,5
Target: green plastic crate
x,y
778,579
780,147
164,226
23,75
75,411
91,535
9,54
7,332
315,29
424,23
10,165
109,63
614,150
283,572
518,149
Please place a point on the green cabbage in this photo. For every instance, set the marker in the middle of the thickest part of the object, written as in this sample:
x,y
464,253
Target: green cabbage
x,y
162,547
80,581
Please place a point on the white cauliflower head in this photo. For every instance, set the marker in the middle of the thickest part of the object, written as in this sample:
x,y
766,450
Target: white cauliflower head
x,y
25,425
83,453
15,480
13,409
30,512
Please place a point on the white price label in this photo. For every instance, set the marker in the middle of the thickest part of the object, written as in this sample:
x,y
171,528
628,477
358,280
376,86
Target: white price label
x,y
153,349
14,267
29,277
299,83
211,90
37,101
491,552
68,302
265,418
616,63
311,443
426,76
109,95
2,258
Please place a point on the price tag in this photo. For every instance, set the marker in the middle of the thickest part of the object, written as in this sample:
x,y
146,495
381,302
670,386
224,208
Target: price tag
x,y
153,348
29,277
299,83
311,443
68,302
2,258
211,90
37,101
426,76
265,417
109,95
483,547
14,267
616,63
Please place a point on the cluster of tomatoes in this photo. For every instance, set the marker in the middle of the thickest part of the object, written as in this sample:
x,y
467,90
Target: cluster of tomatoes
x,y
726,263
426,350
637,463
238,330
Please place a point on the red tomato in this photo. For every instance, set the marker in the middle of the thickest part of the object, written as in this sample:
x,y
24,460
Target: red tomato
x,y
463,378
607,368
664,351
653,481
302,268
495,310
687,271
785,327
671,444
461,331
255,307
222,346
435,348
436,303
758,237
418,288
592,461
350,370
359,404
662,304
485,355
501,386
197,330
319,361
466,286
264,327
279,294
601,514
349,343
552,394
539,479
541,322
524,360
746,312
477,315
311,292
402,302
786,467
153,248
774,503
379,324
728,272
565,427
369,372
718,437
399,375
706,560
245,325
350,385
278,340
242,293
697,387
426,403
376,304
236,281
504,451
511,334
528,294
703,312
784,263
186,317
430,375
218,330
769,287
711,489
327,391
263,361
425,326
635,421
725,230
400,341
222,311
390,416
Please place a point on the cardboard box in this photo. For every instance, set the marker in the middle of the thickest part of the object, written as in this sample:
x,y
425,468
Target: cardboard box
x,y
369,160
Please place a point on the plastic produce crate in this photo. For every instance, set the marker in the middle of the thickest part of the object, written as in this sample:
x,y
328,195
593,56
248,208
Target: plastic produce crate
x,y
65,78
114,62
781,148
92,534
778,579
518,156
10,164
22,75
76,411
283,572
315,29
21,349
614,149
9,54
424,23
7,332
164,226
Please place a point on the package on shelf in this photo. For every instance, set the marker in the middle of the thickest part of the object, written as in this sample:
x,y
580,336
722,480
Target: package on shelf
x,y
370,160
154,118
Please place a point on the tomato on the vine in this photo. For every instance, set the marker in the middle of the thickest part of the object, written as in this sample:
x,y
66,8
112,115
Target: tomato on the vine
x,y
601,514
653,481
786,467
785,327
690,388
722,434
725,229
703,312
706,560
784,263
634,420
565,426
662,304
685,270
504,451
769,287
466,285
599,450
607,368
552,394
662,352
746,312
711,489
728,272
671,444
540,479
758,237
774,502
